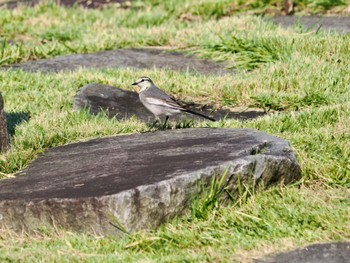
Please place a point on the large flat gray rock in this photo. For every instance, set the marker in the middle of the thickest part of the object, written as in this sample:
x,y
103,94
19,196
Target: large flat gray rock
x,y
124,58
123,104
141,180
4,138
317,253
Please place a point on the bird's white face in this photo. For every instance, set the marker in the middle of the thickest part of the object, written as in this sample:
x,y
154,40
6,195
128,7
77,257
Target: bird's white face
x,y
144,83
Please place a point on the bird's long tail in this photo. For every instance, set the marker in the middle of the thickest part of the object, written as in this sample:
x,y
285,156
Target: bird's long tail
x,y
199,114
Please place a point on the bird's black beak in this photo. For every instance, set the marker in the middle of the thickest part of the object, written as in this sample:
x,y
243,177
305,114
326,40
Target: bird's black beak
x,y
135,83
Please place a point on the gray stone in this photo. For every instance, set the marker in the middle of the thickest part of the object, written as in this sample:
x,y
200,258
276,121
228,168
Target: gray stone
x,y
124,104
94,3
139,180
11,4
117,102
339,24
317,253
4,137
124,58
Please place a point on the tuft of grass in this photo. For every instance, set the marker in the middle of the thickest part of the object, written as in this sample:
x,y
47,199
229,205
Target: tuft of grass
x,y
60,34
249,53
208,9
320,6
208,200
272,101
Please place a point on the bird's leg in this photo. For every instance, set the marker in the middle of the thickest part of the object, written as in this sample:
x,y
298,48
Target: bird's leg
x,y
166,120
154,124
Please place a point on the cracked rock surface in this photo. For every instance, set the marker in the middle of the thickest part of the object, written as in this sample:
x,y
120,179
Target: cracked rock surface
x,y
139,180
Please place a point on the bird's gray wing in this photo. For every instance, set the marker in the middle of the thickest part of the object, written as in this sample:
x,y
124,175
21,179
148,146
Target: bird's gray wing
x,y
157,93
168,102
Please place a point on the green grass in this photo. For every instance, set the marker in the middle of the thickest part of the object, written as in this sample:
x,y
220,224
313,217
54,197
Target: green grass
x,y
47,30
300,78
276,220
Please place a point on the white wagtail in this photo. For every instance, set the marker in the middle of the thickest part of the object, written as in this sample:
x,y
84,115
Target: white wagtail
x,y
160,103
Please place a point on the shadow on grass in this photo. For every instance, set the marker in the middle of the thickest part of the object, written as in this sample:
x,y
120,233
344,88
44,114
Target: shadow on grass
x,y
220,114
15,118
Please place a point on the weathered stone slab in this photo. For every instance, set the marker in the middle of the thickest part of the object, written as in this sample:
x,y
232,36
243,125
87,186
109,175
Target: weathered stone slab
x,y
339,24
124,104
4,138
317,253
141,180
124,58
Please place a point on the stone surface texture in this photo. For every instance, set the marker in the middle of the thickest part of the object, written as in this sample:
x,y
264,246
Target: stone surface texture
x,y
4,138
317,253
124,58
139,180
117,102
339,24
124,104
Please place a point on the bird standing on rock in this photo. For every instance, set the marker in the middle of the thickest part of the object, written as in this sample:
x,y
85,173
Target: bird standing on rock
x,y
160,103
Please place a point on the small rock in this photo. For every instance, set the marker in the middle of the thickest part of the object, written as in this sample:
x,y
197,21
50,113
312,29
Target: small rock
x,y
317,253
118,103
93,3
4,138
139,180
339,24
